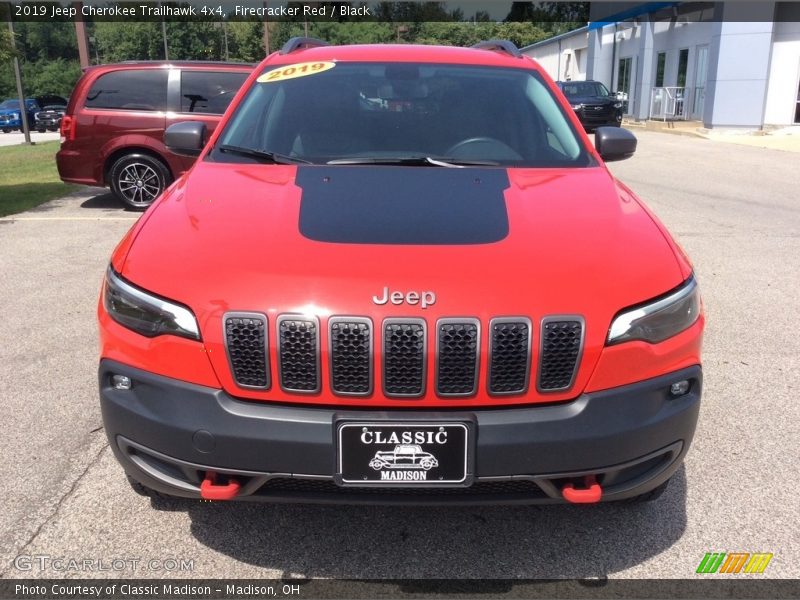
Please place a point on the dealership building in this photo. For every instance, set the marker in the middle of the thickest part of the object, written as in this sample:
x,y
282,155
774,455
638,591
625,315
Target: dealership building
x,y
725,64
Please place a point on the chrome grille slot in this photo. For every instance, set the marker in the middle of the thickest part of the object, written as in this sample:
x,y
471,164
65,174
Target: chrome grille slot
x,y
561,347
457,350
298,353
351,355
246,346
404,357
509,355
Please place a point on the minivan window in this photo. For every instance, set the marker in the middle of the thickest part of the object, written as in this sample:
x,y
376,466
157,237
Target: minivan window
x,y
408,113
209,92
130,89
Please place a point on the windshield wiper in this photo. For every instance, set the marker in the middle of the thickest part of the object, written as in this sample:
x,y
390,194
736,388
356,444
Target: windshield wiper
x,y
273,157
414,161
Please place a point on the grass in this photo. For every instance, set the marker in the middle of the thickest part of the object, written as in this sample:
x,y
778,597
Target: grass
x,y
28,177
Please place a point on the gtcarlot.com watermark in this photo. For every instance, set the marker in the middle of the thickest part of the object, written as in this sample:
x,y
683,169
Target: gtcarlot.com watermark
x,y
41,563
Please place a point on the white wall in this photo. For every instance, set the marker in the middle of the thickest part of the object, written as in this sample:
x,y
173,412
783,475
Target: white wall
x,y
784,74
553,56
547,56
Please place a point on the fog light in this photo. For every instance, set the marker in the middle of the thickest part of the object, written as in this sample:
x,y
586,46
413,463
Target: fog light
x,y
121,382
679,388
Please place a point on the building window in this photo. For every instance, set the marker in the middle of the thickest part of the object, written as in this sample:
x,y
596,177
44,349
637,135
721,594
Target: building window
x,y
661,63
683,65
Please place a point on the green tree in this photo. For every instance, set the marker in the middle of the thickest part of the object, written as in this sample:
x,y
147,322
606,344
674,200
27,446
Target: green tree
x,y
46,40
246,40
6,46
128,41
51,77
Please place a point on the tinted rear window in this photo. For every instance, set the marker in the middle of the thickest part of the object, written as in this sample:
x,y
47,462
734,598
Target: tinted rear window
x,y
130,90
209,92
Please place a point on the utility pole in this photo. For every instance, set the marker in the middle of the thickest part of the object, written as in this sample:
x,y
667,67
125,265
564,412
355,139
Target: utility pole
x,y
80,33
164,35
225,37
266,30
23,114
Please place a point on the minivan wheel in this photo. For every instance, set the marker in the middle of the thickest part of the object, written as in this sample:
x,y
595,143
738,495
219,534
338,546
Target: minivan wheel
x,y
138,179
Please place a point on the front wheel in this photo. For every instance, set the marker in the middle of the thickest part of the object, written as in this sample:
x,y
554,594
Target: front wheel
x,y
138,179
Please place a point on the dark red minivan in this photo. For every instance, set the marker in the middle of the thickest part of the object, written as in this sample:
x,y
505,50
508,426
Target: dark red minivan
x,y
112,133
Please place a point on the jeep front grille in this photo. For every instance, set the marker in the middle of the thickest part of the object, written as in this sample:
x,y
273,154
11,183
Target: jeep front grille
x,y
404,357
246,342
561,346
298,353
457,351
509,355
399,349
351,355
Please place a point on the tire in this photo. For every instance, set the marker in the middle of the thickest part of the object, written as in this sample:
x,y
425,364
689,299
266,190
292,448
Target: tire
x,y
138,179
650,496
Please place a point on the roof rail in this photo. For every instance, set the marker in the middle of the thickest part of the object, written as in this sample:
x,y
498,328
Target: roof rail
x,y
499,46
299,43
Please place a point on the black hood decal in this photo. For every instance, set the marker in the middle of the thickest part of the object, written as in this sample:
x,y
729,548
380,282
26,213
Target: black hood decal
x,y
403,205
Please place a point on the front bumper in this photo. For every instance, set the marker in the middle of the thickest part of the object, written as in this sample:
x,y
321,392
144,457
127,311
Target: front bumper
x,y
48,123
591,119
167,434
10,124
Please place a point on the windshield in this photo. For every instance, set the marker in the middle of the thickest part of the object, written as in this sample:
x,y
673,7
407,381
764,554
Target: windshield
x,y
584,88
408,113
10,104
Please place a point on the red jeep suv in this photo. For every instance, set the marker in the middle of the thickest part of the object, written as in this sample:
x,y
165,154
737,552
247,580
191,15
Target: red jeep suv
x,y
410,247
113,130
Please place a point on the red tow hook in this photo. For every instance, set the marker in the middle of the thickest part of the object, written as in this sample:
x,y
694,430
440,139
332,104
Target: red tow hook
x,y
209,490
591,494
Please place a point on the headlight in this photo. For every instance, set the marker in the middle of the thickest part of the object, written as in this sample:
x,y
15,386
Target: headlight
x,y
15,115
36,116
658,320
576,106
144,313
618,105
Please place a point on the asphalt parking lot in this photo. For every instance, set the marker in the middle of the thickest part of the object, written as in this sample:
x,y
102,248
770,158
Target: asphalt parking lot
x,y
17,137
736,211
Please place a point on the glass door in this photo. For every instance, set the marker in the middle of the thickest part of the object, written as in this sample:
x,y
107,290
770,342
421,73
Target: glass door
x,y
624,76
700,75
797,104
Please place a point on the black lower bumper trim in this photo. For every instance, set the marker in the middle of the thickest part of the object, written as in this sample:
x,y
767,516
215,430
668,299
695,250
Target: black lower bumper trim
x,y
167,434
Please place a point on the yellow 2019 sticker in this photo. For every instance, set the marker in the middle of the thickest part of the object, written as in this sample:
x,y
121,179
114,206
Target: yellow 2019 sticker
x,y
297,70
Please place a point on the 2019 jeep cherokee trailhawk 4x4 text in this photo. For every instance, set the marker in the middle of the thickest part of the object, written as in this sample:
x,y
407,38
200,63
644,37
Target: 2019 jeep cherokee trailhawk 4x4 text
x,y
393,247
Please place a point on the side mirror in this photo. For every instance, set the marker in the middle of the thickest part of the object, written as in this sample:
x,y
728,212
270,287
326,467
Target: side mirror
x,y
186,139
614,143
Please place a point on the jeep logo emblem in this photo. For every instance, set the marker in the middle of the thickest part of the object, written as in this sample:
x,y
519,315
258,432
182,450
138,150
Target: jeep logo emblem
x,y
424,299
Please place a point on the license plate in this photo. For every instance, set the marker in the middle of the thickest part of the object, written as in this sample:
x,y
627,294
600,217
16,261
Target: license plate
x,y
403,454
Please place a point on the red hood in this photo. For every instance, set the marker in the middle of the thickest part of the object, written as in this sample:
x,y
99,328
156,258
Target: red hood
x,y
229,240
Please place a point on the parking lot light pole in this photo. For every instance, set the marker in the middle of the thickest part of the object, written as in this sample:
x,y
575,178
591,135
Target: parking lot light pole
x,y
23,115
